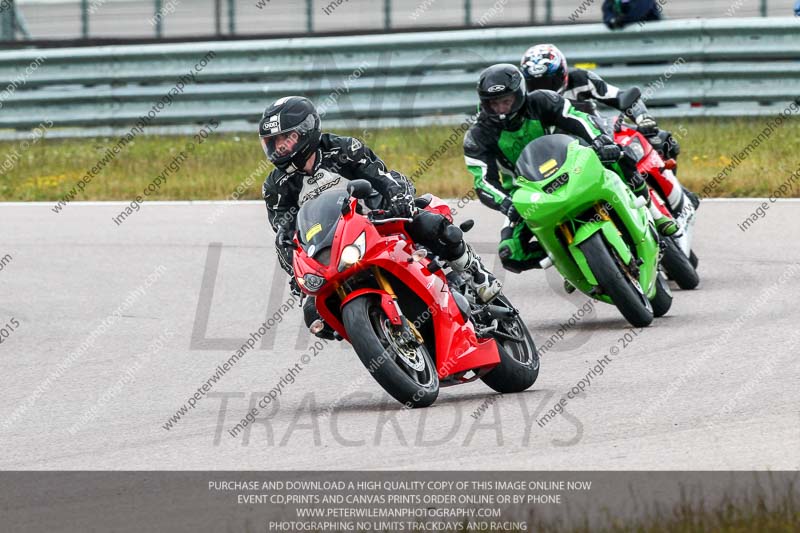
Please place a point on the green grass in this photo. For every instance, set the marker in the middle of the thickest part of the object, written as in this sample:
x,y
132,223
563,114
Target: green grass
x,y
763,509
48,169
770,508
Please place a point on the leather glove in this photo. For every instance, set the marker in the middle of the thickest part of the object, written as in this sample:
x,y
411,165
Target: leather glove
x,y
284,246
647,125
606,149
294,287
508,209
402,205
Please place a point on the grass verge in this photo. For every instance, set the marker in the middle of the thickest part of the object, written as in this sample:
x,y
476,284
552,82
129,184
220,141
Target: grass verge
x,y
48,169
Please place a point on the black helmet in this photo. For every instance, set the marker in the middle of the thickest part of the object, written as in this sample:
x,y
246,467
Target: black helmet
x,y
296,116
498,82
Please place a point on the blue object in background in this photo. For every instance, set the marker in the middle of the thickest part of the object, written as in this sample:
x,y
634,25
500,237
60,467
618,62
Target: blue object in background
x,y
619,13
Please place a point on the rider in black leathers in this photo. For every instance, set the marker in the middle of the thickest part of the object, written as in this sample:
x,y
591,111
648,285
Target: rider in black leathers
x,y
308,162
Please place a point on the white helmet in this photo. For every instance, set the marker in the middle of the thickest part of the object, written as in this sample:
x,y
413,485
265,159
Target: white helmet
x,y
545,67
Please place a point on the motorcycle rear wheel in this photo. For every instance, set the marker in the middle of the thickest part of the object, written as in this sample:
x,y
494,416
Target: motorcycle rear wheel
x,y
519,361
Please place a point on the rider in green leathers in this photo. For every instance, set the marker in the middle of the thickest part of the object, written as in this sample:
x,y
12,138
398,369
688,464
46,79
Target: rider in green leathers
x,y
509,119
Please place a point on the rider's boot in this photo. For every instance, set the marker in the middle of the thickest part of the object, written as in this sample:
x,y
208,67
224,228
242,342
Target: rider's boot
x,y
665,224
693,198
479,277
683,202
686,216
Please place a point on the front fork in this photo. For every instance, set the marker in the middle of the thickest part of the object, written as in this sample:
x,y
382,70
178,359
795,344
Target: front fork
x,y
404,325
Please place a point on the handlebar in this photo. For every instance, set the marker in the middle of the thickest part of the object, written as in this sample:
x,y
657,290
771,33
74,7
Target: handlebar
x,y
372,217
392,219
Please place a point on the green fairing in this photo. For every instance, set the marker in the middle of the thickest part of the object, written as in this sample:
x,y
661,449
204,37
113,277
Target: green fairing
x,y
587,184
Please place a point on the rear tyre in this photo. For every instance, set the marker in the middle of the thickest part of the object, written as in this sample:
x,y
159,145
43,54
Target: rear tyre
x,y
616,282
519,361
678,266
662,301
408,375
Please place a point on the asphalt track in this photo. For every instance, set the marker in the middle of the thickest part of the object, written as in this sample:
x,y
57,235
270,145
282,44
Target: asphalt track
x,y
710,386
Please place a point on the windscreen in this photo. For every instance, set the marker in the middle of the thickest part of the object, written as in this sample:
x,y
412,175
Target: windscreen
x,y
318,218
542,158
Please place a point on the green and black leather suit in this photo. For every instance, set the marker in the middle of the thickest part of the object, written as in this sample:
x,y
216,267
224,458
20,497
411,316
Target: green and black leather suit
x,y
491,152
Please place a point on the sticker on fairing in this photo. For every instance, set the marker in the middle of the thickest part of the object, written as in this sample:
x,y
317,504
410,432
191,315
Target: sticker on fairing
x,y
313,230
548,166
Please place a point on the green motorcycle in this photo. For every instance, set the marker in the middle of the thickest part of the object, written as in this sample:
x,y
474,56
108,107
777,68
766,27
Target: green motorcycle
x,y
596,232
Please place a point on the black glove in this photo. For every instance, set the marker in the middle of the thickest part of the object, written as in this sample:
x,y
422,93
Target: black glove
x,y
402,205
646,125
294,287
508,209
606,149
285,248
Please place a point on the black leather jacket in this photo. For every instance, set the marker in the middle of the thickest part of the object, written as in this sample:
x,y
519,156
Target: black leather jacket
x,y
584,88
339,159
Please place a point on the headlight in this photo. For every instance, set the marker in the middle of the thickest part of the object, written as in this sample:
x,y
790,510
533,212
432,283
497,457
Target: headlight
x,y
353,253
312,282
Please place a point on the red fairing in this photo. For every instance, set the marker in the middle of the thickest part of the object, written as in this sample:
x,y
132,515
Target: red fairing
x,y
438,206
651,163
389,249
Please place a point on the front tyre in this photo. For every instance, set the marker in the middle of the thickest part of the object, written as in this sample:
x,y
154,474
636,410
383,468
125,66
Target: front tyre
x,y
617,282
519,360
407,374
678,266
693,259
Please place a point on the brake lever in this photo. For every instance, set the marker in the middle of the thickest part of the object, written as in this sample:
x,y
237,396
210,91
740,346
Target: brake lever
x,y
379,212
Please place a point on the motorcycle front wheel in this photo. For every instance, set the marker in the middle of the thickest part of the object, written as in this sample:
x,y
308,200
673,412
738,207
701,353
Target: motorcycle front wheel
x,y
662,301
407,373
679,267
616,282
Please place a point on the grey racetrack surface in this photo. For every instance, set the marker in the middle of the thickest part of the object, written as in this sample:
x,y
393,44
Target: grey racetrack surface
x,y
713,385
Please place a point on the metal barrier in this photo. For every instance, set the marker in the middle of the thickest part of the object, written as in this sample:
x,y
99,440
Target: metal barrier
x,y
685,68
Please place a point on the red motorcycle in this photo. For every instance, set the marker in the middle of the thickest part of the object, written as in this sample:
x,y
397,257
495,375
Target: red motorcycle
x,y
678,261
413,327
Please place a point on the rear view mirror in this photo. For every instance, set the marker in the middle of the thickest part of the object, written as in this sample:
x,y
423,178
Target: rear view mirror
x,y
359,189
